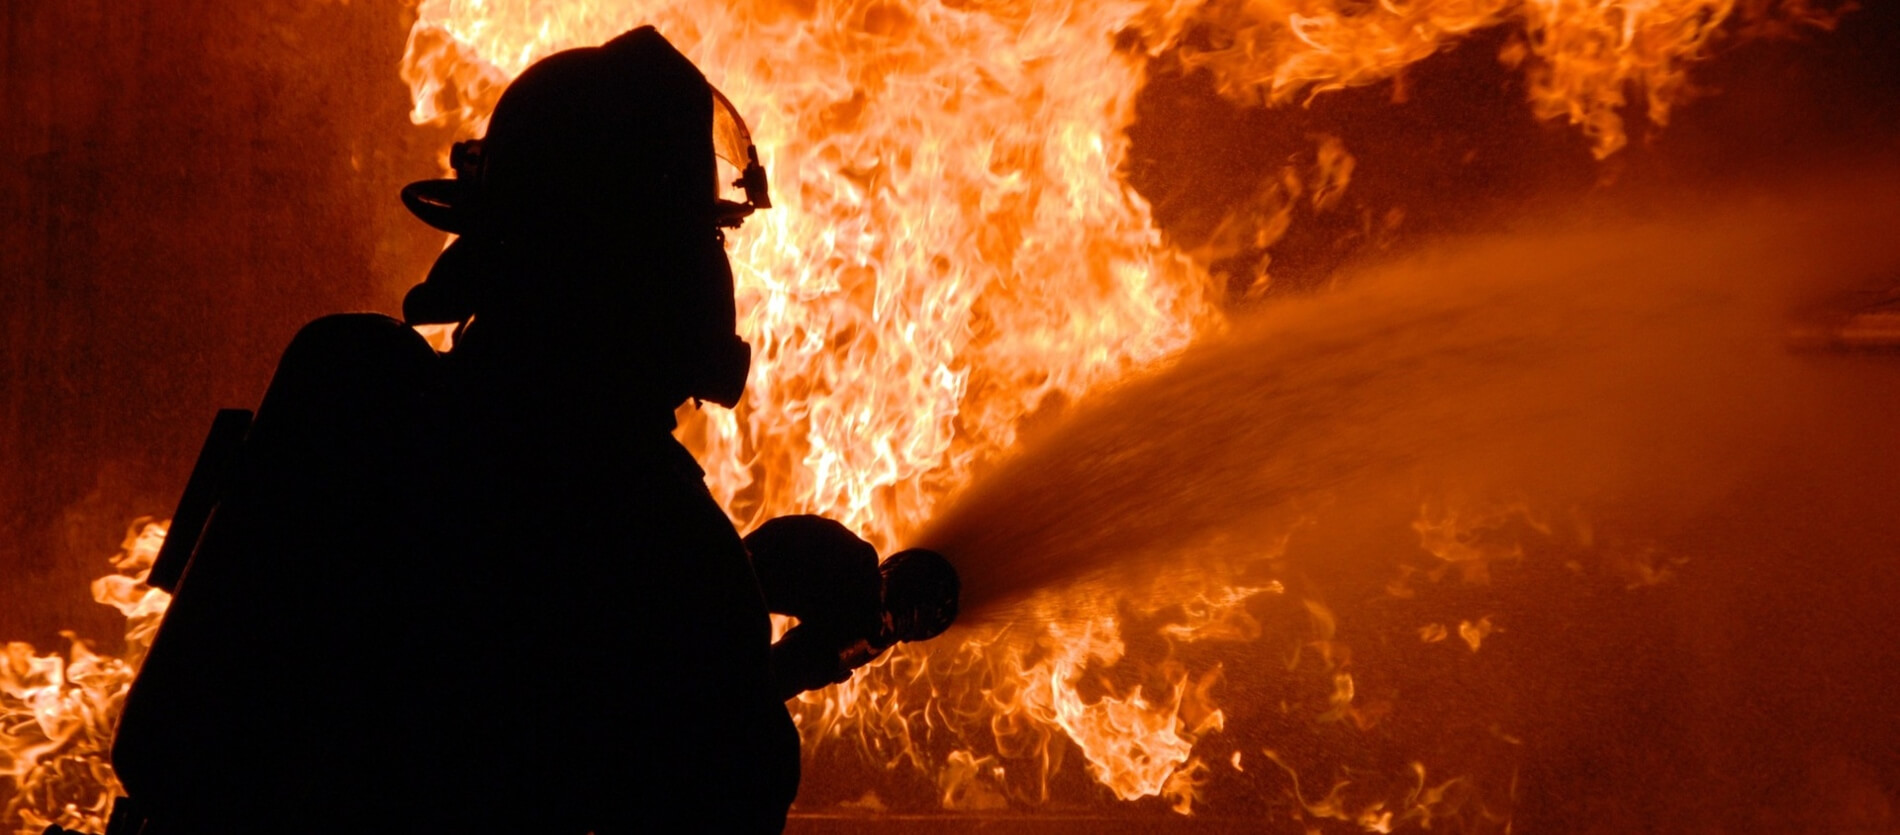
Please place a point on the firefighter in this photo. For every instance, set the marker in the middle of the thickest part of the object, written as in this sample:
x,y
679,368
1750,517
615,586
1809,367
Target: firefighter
x,y
609,637
486,590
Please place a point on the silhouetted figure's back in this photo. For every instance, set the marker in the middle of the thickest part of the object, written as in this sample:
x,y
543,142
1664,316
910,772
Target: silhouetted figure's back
x,y
487,591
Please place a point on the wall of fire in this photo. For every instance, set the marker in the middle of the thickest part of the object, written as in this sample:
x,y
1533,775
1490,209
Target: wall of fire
x,y
183,184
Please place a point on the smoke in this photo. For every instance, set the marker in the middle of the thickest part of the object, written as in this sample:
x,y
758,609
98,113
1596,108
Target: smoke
x,y
1636,365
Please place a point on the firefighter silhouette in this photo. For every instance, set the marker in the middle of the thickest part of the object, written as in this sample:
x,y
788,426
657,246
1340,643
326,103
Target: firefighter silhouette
x,y
486,590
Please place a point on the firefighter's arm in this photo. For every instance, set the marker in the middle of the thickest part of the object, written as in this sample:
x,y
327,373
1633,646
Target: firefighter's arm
x,y
821,573
849,608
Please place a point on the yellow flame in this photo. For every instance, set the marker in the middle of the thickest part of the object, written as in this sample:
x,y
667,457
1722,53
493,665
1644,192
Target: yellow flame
x,y
946,216
58,714
953,251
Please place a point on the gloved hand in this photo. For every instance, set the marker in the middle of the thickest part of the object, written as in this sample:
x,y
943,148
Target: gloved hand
x,y
818,571
850,609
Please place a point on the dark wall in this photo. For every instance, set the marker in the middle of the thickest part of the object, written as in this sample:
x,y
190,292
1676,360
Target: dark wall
x,y
182,184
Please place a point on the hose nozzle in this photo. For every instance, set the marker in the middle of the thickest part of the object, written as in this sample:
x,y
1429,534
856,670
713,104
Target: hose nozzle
x,y
920,596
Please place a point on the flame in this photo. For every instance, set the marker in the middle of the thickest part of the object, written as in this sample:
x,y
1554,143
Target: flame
x,y
952,250
954,253
58,714
945,211
1581,57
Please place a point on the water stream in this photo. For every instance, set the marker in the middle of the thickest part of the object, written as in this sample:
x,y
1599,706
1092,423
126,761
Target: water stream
x,y
1630,366
1565,511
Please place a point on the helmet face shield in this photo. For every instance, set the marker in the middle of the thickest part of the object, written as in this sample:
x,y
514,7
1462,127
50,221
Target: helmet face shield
x,y
741,188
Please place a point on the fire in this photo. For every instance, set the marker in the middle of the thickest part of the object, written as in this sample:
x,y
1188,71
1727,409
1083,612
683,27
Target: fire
x,y
954,254
947,184
57,714
952,250
955,249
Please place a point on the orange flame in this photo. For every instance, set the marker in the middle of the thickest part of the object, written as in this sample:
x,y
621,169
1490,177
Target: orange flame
x,y
939,202
954,252
57,715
